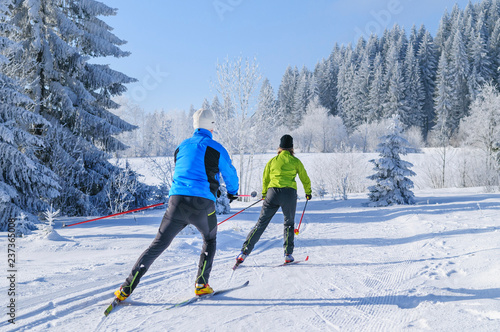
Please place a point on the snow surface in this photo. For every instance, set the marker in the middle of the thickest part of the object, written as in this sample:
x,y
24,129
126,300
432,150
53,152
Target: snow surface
x,y
433,266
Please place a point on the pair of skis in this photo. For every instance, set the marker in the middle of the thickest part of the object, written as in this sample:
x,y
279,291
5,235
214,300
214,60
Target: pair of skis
x,y
184,303
238,263
197,298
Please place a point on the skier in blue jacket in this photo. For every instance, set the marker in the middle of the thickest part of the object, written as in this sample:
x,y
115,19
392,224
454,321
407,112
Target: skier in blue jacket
x,y
198,162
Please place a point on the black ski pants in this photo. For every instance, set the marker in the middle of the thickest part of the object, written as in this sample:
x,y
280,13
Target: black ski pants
x,y
286,198
181,211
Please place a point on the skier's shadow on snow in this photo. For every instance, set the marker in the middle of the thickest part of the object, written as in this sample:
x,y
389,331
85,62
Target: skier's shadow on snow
x,y
424,205
381,242
402,301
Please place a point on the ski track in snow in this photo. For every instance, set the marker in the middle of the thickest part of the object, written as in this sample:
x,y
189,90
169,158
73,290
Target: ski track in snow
x,y
432,266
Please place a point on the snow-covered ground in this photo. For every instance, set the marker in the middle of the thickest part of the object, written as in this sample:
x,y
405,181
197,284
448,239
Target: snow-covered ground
x,y
433,266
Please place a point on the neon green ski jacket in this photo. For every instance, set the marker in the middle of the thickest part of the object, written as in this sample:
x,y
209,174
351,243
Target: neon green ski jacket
x,y
280,172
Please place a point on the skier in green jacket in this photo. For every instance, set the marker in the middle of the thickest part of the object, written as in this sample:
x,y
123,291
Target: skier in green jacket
x,y
279,189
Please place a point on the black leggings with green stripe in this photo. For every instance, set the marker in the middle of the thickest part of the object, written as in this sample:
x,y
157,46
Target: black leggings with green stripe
x,y
181,211
286,198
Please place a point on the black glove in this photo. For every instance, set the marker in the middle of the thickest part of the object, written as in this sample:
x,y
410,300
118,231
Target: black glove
x,y
264,195
232,197
308,196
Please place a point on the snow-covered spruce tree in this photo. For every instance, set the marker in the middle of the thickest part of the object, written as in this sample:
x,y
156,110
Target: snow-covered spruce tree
x,y
325,77
286,96
393,185
428,66
25,184
74,96
266,120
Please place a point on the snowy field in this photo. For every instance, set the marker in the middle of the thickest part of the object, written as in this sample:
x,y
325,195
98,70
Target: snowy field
x,y
433,266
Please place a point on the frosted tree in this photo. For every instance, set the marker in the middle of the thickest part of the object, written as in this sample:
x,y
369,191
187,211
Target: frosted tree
x,y
158,137
286,96
459,69
121,190
396,103
304,93
320,131
361,88
347,96
325,76
206,104
443,97
57,40
482,129
427,62
377,91
481,72
366,137
266,118
392,183
26,185
237,82
134,114
414,92
494,50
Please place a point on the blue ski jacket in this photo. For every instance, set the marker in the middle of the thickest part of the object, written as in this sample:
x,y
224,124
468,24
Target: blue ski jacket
x,y
199,161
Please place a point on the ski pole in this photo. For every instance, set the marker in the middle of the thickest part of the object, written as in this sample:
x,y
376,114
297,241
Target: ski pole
x,y
296,231
252,194
113,215
241,211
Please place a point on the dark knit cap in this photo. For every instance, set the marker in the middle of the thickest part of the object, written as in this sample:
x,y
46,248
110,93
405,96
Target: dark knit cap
x,y
286,142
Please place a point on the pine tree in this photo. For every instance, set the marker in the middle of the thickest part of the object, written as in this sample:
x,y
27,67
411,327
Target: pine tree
x,y
206,104
57,39
414,92
427,62
286,96
326,79
266,117
459,70
393,185
304,93
362,88
481,71
346,95
377,93
494,51
25,184
443,32
443,97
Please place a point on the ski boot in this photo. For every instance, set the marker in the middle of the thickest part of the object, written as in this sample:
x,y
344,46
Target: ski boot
x,y
239,259
121,295
203,289
288,258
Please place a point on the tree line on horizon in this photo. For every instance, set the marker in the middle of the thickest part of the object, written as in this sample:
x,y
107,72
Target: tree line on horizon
x,y
59,124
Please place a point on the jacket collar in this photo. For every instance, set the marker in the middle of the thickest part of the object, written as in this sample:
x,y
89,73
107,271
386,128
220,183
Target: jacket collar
x,y
203,132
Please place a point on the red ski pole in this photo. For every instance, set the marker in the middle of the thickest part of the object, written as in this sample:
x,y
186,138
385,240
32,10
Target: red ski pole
x,y
252,194
241,211
113,215
296,231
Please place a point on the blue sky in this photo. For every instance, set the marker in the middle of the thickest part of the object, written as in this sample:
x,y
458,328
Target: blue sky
x,y
175,45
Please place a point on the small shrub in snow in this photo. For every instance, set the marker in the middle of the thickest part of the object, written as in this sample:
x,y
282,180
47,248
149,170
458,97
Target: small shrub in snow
x,y
23,225
320,189
222,203
50,215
